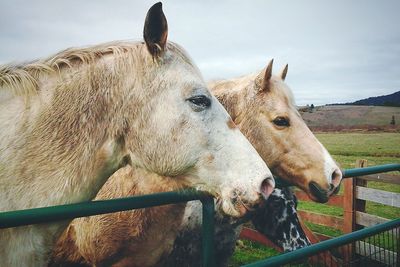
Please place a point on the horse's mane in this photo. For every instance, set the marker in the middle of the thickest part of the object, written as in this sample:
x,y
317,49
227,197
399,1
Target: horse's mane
x,y
23,79
228,87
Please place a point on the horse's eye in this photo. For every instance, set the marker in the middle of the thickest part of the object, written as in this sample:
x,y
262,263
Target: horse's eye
x,y
281,121
201,101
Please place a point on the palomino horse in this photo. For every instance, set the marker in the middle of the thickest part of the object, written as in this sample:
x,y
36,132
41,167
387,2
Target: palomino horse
x,y
264,109
68,122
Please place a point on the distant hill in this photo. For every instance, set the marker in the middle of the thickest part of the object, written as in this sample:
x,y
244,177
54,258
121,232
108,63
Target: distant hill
x,y
392,100
351,117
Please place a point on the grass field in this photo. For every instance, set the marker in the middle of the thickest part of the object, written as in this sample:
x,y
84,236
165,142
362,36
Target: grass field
x,y
346,148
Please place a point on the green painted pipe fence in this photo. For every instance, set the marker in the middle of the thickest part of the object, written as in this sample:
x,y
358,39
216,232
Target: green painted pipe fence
x,y
302,253
70,211
370,170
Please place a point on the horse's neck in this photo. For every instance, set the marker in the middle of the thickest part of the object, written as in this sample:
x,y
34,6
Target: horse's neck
x,y
56,147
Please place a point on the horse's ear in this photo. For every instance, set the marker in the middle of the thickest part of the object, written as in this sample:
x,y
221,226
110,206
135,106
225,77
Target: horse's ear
x,y
284,72
155,30
263,79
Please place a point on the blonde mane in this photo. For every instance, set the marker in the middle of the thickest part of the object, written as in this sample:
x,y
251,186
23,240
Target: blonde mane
x,y
246,88
23,79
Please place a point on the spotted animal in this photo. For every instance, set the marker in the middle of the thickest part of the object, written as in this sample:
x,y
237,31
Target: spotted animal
x,y
276,218
279,221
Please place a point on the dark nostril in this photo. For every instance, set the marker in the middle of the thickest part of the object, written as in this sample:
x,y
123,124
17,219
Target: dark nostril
x,y
267,186
334,190
331,186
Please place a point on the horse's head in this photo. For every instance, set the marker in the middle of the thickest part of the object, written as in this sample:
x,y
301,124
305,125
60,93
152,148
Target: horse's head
x,y
277,219
176,128
266,113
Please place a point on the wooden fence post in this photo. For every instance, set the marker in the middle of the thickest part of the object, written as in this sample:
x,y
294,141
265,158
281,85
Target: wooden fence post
x,y
348,205
359,205
348,213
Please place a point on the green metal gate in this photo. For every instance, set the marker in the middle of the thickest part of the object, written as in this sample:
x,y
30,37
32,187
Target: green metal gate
x,y
62,212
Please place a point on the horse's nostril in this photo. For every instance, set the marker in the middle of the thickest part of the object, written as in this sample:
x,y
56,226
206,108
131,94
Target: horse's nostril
x,y
267,186
334,190
336,177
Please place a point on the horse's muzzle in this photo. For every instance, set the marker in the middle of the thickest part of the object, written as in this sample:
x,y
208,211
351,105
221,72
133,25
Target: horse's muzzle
x,y
321,195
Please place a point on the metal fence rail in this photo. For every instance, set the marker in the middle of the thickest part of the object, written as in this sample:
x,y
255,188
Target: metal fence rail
x,y
370,170
71,211
329,245
63,212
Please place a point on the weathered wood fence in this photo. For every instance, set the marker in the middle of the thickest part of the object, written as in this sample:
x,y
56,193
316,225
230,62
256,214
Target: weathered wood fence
x,y
353,202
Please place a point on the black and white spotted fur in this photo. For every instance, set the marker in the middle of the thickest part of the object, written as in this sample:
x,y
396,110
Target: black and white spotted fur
x,y
279,222
276,218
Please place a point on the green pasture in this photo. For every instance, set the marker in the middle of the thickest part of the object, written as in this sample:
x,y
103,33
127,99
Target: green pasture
x,y
345,148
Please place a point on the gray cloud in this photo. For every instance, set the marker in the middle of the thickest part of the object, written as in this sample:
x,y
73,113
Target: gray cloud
x,y
337,51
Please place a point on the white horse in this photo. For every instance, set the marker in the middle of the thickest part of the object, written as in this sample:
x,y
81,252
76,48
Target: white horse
x,y
70,121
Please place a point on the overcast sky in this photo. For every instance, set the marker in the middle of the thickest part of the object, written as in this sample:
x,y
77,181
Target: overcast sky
x,y
337,51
